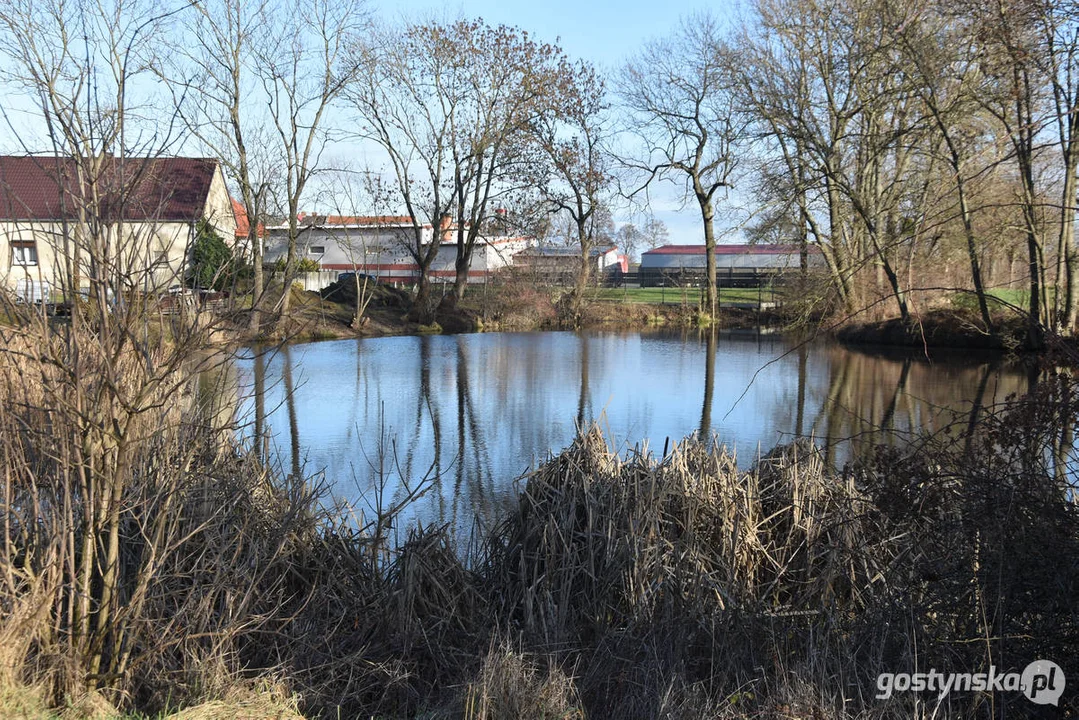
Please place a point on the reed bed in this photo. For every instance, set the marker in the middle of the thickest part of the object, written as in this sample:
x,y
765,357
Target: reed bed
x,y
620,586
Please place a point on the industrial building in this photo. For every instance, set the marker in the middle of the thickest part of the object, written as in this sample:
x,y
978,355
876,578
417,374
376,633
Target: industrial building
x,y
379,246
561,264
736,265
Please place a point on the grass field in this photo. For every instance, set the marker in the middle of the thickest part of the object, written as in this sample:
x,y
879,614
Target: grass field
x,y
680,295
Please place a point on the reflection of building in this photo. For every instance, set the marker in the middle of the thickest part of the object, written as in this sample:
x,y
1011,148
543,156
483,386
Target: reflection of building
x,y
379,246
735,264
146,209
561,264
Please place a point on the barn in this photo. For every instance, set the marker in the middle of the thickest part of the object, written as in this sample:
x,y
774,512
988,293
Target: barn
x,y
736,265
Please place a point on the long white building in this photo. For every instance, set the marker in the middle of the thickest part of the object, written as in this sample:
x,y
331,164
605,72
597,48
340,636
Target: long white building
x,y
735,264
378,246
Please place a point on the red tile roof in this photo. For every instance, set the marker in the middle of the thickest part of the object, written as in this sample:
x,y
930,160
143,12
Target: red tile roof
x,y
140,189
730,250
368,220
242,226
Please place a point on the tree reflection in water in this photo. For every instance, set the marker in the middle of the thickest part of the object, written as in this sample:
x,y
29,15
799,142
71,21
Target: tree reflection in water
x,y
471,413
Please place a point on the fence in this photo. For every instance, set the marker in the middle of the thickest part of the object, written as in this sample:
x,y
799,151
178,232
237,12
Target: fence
x,y
315,281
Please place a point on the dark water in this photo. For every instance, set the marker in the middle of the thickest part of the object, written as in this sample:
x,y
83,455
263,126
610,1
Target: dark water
x,y
465,415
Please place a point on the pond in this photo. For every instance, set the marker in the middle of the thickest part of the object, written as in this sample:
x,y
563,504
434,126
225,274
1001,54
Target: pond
x,y
464,416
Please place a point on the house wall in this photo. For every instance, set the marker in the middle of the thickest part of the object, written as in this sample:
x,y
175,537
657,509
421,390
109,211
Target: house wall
x,y
218,208
151,255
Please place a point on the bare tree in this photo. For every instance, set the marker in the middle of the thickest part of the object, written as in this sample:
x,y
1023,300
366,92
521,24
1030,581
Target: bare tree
x,y
687,115
631,238
451,104
828,92
572,136
656,232
99,508
941,62
1058,61
212,73
508,81
304,66
1007,33
362,239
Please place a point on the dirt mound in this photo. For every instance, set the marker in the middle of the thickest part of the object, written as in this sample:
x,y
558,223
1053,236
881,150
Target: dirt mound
x,y
382,295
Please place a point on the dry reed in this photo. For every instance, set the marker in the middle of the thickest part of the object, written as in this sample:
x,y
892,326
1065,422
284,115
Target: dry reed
x,y
624,587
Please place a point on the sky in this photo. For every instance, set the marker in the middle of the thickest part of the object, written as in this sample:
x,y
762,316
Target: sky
x,y
606,34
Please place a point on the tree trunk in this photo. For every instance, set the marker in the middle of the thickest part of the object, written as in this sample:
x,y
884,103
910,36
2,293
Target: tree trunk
x,y
460,281
1065,260
972,252
290,270
707,215
258,287
421,305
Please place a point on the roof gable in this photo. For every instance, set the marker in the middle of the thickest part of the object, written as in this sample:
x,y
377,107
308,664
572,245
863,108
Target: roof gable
x,y
134,189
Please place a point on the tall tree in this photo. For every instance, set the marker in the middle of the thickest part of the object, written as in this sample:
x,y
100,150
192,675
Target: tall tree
x,y
105,380
213,77
572,137
303,66
509,81
1058,61
825,86
631,239
940,60
451,106
684,109
1006,31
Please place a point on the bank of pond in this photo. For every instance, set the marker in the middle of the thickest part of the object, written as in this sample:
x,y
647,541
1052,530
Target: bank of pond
x,y
589,525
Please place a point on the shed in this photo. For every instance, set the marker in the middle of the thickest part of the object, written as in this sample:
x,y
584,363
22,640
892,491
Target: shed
x,y
736,265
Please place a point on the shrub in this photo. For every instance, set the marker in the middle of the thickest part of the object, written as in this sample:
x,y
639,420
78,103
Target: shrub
x,y
211,265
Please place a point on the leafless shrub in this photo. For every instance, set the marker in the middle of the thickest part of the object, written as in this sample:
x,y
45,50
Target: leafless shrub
x,y
511,684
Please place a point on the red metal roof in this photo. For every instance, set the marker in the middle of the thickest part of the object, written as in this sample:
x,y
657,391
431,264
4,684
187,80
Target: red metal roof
x,y
161,189
730,250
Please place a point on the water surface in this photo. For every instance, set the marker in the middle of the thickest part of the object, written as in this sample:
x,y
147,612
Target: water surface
x,y
465,415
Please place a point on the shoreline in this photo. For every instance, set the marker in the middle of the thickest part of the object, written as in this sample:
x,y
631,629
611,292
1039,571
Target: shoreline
x,y
936,329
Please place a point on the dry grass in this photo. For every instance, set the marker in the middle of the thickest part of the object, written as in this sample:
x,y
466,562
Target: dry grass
x,y
512,685
620,587
24,703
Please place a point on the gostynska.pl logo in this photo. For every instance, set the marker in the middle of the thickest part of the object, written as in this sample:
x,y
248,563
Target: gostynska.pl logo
x,y
1041,682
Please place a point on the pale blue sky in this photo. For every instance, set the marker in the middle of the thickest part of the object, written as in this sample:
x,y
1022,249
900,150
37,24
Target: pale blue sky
x,y
605,33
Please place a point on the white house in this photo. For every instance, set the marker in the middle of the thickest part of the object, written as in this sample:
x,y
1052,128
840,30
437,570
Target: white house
x,y
146,209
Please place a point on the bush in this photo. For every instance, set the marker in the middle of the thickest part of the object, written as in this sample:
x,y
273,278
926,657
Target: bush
x,y
211,265
302,265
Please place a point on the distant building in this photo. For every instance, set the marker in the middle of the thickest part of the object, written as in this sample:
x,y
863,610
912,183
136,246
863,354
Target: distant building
x,y
561,264
156,201
378,246
735,264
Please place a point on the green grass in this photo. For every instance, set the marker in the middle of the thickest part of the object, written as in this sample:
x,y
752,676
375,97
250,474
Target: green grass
x,y
675,296
999,299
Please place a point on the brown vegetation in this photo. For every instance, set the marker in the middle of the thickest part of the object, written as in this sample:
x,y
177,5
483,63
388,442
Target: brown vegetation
x,y
673,586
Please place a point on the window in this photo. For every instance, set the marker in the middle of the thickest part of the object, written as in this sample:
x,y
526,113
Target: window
x,y
23,253
317,250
